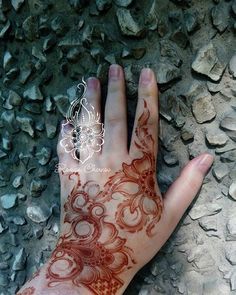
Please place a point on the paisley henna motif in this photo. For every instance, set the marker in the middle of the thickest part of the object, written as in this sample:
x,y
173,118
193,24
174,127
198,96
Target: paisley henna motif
x,y
92,252
135,182
27,291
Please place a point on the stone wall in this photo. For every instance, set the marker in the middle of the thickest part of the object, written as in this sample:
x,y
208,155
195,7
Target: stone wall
x,y
46,46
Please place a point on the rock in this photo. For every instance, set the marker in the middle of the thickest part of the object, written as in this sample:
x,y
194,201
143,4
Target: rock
x,y
36,52
233,281
208,223
20,260
49,42
58,26
232,66
123,3
8,201
103,4
17,4
73,54
214,87
38,214
2,154
78,4
220,170
171,159
217,138
14,99
198,211
51,123
44,155
37,187
49,105
4,280
62,103
25,73
231,229
30,27
191,21
18,181
180,37
169,50
232,191
33,93
33,108
7,60
187,135
196,89
4,29
234,7
203,109
26,124
229,156
152,16
220,17
229,122
128,25
207,63
7,142
19,220
230,255
166,72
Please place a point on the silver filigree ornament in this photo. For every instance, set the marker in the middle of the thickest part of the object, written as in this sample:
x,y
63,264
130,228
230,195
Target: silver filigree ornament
x,y
83,133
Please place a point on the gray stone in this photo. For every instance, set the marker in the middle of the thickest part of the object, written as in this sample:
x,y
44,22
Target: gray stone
x,y
36,52
207,62
30,27
220,17
51,123
234,7
62,103
187,135
4,280
38,214
123,3
18,181
169,50
230,254
37,187
33,93
203,109
8,201
73,54
49,42
19,220
217,138
26,124
25,73
2,154
231,229
44,155
103,4
171,159
229,156
198,211
232,66
58,26
220,170
229,122
128,25
34,108
232,191
214,87
50,106
191,21
20,260
14,98
166,72
7,60
4,29
208,223
17,4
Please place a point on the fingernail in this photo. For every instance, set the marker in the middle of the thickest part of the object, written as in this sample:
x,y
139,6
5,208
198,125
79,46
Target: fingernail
x,y
92,83
204,162
114,72
146,76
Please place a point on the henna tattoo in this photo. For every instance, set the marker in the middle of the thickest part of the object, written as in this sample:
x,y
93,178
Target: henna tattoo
x,y
92,252
27,291
142,205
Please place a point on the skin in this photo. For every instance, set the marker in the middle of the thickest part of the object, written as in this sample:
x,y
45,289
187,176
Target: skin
x,y
120,212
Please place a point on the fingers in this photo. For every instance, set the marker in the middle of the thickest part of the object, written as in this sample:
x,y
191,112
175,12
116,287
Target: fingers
x,y
182,192
93,96
115,113
146,115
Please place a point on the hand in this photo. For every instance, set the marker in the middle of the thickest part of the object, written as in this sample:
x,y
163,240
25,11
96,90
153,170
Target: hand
x,y
114,221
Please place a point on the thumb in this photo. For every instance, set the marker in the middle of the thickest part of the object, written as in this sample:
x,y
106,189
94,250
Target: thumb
x,y
182,192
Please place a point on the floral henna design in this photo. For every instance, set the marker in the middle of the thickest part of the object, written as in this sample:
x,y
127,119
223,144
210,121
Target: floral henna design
x,y
90,253
135,182
27,291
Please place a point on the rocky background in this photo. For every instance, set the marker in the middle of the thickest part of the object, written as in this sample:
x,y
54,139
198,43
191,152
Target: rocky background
x,y
46,46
